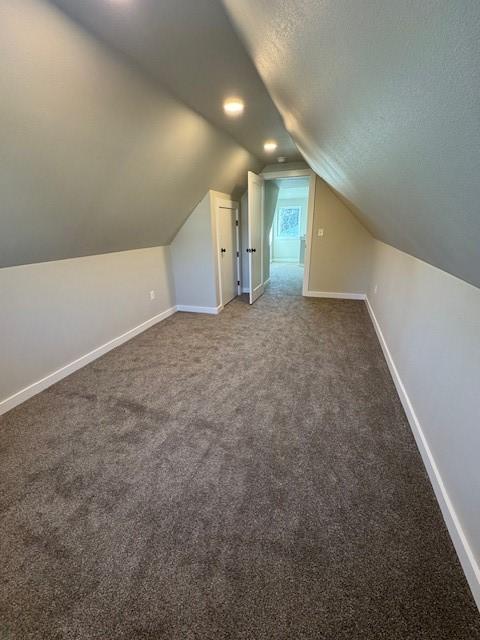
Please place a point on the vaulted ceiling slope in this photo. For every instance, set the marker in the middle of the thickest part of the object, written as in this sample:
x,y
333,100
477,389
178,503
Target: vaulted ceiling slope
x,y
383,100
94,156
191,47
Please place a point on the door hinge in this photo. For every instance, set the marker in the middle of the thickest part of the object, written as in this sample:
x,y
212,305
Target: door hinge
x,y
236,223
238,282
238,254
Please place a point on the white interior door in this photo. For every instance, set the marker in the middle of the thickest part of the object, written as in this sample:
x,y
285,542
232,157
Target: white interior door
x,y
227,246
255,236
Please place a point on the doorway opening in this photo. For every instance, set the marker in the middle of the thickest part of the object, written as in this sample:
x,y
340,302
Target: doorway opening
x,y
276,230
285,220
228,250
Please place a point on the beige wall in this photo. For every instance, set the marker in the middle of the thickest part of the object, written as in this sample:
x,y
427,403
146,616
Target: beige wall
x,y
340,260
94,156
55,312
430,321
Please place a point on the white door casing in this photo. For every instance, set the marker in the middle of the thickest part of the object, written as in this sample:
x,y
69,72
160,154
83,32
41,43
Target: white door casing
x,y
227,248
255,236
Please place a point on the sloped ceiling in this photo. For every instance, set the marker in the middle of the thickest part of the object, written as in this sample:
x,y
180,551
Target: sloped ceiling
x,y
383,100
190,47
95,156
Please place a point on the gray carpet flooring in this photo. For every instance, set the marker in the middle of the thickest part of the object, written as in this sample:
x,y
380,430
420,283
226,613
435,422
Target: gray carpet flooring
x,y
248,476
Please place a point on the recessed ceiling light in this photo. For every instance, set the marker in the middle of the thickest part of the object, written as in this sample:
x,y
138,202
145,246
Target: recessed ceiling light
x,y
233,106
281,159
270,145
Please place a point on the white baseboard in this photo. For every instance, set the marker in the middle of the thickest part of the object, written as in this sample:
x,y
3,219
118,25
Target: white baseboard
x,y
332,294
459,539
193,309
266,282
32,389
245,290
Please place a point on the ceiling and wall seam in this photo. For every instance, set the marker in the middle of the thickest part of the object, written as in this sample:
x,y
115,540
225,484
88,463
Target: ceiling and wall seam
x,y
96,158
194,51
148,77
382,101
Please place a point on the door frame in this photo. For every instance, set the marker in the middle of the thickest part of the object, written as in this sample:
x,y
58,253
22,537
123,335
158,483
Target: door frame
x,y
221,202
254,294
301,173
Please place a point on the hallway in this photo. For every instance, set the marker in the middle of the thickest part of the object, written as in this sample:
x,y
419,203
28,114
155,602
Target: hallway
x,y
191,485
286,279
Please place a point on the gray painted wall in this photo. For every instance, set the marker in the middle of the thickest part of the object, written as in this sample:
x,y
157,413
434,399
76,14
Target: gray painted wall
x,y
194,255
55,312
431,324
191,48
93,156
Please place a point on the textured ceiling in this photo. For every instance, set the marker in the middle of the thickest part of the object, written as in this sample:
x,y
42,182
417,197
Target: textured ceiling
x,y
191,48
383,100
